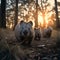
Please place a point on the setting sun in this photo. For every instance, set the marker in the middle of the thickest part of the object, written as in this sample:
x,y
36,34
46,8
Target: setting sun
x,y
45,13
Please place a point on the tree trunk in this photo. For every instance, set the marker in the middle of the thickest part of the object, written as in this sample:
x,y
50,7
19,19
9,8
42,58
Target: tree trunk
x,y
36,18
16,14
3,14
56,10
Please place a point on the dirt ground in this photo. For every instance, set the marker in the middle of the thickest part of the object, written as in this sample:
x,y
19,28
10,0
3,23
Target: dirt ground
x,y
8,36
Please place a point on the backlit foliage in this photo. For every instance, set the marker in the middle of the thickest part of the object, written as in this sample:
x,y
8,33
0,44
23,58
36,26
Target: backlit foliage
x,y
27,12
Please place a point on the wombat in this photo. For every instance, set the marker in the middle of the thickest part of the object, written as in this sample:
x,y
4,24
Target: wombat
x,y
24,32
37,33
47,32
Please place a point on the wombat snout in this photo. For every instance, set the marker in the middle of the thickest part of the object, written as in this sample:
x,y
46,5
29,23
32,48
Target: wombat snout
x,y
25,32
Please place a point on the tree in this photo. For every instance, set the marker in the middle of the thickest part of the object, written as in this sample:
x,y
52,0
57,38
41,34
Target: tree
x,y
3,15
56,9
16,14
36,19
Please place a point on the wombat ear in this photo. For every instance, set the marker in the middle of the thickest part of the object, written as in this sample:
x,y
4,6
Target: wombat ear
x,y
21,22
31,22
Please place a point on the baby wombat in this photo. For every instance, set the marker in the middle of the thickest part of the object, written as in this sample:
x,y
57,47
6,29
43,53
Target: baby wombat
x,y
37,34
47,32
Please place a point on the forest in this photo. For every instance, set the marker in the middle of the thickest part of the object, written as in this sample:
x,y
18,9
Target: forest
x,y
29,30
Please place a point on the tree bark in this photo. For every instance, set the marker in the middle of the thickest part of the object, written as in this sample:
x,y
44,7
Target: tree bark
x,y
16,14
56,10
3,14
36,18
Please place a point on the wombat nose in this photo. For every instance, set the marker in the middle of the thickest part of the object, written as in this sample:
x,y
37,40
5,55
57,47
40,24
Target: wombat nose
x,y
25,32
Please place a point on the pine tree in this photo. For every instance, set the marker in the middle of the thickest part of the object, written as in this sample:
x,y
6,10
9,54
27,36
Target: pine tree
x,y
3,15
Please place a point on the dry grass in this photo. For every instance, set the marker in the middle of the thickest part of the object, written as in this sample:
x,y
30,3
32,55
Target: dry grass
x,y
9,42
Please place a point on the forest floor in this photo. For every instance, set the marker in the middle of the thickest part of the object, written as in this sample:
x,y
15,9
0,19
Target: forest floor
x,y
7,36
